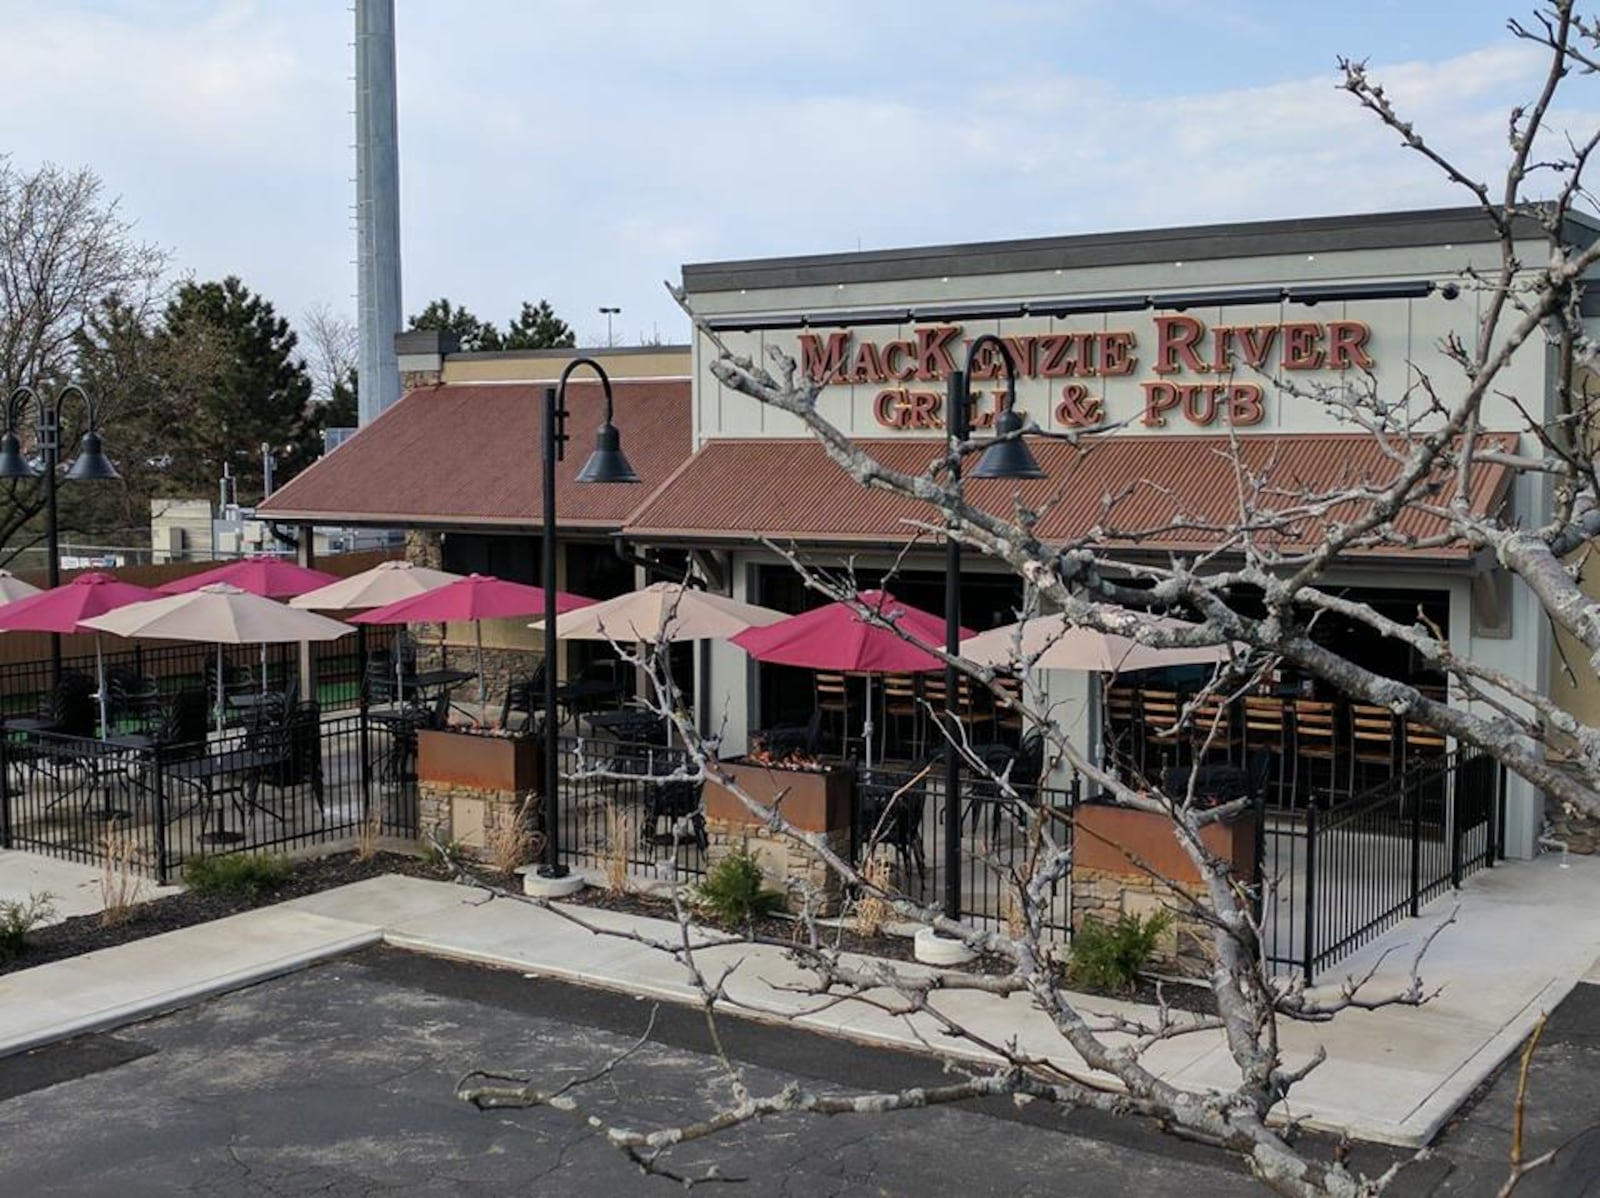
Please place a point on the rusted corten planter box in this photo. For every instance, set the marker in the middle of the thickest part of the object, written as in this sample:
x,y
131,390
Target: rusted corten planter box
x,y
447,758
1105,837
814,802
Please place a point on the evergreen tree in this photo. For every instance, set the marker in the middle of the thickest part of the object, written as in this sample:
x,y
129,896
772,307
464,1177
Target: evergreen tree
x,y
251,389
472,334
538,327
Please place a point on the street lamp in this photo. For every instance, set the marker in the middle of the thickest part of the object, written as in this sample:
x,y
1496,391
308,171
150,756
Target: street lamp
x,y
605,465
1008,457
608,313
91,465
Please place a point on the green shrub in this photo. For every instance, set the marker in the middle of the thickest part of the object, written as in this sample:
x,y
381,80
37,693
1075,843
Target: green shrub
x,y
18,917
443,854
237,874
733,890
1109,956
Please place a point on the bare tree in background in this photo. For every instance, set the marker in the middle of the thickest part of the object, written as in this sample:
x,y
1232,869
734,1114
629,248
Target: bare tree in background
x,y
333,350
1432,451
66,254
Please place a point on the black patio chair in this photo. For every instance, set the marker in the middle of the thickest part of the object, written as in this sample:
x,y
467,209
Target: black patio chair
x,y
132,698
294,748
788,740
1020,767
678,803
889,812
378,683
524,695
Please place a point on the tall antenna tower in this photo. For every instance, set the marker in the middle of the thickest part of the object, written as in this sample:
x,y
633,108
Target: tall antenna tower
x,y
377,207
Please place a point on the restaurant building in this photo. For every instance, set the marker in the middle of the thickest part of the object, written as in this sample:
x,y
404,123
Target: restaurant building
x,y
1185,342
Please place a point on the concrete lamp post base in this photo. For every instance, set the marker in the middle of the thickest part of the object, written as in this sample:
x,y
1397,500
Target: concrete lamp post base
x,y
535,885
932,948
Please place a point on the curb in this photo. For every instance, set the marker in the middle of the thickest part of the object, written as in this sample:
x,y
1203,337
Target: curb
x,y
172,1000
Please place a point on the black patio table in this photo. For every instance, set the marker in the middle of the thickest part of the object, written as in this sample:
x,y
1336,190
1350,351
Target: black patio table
x,y
628,724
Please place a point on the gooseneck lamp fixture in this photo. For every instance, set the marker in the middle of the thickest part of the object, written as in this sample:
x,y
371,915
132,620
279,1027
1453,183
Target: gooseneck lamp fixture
x,y
91,465
1007,457
607,464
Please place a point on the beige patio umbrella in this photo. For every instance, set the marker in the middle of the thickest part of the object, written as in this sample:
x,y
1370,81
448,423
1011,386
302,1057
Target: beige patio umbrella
x,y
385,583
219,613
663,611
1063,646
13,588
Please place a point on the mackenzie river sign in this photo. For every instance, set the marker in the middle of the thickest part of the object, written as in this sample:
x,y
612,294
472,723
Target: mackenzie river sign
x,y
1197,368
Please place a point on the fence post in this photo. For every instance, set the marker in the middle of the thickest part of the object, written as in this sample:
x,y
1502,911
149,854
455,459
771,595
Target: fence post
x,y
1309,953
160,789
1452,791
1416,845
1259,881
5,795
1499,837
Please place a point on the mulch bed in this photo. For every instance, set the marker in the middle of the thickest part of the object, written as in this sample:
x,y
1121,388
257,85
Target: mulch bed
x,y
86,933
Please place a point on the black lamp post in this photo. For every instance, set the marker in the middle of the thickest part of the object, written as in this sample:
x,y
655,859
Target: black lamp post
x,y
1008,458
605,465
91,465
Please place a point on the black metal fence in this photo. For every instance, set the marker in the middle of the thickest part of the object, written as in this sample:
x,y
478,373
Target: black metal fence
x,y
623,813
284,785
25,686
1334,878
1004,840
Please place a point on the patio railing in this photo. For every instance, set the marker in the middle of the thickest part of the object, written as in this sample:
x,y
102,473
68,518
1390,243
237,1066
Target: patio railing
x,y
304,782
620,812
1002,840
1334,878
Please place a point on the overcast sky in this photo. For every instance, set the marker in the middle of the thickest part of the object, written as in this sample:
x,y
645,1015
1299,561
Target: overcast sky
x,y
582,151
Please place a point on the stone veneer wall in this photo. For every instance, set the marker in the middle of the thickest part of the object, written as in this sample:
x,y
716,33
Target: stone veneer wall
x,y
470,815
1184,950
1579,832
786,864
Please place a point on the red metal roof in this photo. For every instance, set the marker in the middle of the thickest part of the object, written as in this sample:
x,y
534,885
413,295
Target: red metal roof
x,y
470,453
1161,492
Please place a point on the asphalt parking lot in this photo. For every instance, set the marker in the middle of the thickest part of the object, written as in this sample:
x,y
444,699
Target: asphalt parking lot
x,y
339,1080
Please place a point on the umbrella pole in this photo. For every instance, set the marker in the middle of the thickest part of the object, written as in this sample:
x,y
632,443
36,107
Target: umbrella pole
x,y
263,667
866,727
100,673
220,698
483,702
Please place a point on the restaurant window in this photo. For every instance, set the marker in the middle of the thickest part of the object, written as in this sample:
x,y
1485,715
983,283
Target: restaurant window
x,y
513,558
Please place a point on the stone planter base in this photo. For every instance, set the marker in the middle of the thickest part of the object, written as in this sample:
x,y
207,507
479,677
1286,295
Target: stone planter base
x,y
472,789
1129,862
814,803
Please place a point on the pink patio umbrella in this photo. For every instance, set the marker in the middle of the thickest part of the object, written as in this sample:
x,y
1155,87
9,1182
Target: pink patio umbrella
x,y
269,577
477,597
65,608
837,637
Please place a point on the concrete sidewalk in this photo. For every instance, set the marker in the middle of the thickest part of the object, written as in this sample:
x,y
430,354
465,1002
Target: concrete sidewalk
x,y
74,889
1525,935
